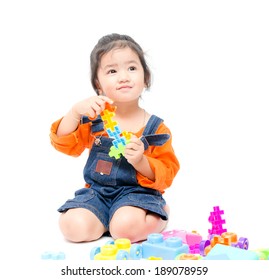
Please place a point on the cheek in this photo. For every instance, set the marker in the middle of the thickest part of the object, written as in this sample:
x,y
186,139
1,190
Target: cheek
x,y
109,90
105,84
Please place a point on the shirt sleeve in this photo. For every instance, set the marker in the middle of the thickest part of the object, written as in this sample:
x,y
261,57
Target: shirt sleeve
x,y
164,163
74,143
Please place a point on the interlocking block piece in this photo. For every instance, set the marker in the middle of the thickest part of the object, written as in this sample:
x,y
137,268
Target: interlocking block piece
x,y
110,124
117,152
230,239
127,135
232,253
115,250
114,131
110,107
48,255
194,249
262,253
190,238
154,259
216,220
221,257
119,141
168,249
188,257
106,115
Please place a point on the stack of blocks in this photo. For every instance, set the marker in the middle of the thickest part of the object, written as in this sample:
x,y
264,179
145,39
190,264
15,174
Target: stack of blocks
x,y
216,221
114,131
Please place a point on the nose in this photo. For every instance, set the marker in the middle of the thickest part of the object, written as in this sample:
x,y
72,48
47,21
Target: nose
x,y
124,76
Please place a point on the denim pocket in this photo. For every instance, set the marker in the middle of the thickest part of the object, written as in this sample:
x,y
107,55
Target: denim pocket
x,y
83,195
108,175
144,199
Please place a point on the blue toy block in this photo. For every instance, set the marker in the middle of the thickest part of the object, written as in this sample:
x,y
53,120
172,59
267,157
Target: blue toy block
x,y
221,257
168,249
53,256
232,253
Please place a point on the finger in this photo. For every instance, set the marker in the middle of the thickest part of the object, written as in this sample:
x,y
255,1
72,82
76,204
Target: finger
x,y
106,99
91,114
134,145
96,108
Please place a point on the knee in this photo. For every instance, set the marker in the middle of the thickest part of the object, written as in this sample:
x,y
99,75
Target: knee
x,y
73,228
76,228
125,228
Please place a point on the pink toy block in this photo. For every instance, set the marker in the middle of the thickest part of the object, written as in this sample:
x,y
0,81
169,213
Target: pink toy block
x,y
190,238
216,221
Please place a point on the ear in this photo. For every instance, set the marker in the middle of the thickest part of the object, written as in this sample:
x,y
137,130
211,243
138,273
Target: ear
x,y
98,88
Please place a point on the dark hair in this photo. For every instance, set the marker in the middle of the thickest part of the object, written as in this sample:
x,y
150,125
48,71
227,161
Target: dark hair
x,y
112,41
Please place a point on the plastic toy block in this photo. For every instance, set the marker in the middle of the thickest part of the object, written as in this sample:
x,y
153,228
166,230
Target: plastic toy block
x,y
53,256
168,249
116,152
190,238
127,135
194,249
110,107
262,253
110,125
193,239
116,142
188,257
220,257
232,253
154,259
171,233
118,250
228,239
216,220
113,131
204,247
107,115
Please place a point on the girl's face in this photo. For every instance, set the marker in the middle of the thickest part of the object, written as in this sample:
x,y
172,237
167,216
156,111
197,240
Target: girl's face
x,y
121,75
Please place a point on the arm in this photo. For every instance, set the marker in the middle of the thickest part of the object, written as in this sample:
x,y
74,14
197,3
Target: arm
x,y
134,153
91,107
72,144
68,135
157,166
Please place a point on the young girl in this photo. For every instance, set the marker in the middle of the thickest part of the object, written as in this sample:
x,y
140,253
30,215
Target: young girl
x,y
121,196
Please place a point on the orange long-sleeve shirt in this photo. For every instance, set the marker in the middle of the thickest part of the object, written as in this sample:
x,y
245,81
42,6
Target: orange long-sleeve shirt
x,y
162,159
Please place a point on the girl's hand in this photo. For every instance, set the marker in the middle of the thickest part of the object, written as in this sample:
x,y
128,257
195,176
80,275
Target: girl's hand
x,y
91,107
134,150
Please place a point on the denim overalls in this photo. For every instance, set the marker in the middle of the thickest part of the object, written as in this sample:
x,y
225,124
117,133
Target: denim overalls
x,y
113,182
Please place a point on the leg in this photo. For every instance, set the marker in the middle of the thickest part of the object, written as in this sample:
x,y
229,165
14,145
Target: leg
x,y
80,225
135,223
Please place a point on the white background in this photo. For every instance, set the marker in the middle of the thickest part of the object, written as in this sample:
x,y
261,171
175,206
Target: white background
x,y
210,84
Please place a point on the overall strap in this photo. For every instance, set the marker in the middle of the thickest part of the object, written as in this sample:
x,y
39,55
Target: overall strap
x,y
149,137
97,124
152,125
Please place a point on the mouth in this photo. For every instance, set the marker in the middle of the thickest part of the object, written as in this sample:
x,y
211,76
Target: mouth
x,y
124,87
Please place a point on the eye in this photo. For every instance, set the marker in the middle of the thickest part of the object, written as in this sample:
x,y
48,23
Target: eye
x,y
111,71
132,68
